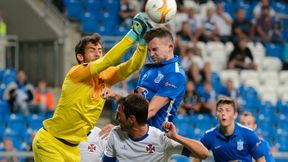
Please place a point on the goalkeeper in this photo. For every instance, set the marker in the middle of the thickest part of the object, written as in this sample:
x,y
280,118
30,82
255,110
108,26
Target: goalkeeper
x,y
80,104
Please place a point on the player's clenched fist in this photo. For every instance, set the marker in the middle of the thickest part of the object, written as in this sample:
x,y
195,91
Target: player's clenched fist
x,y
169,129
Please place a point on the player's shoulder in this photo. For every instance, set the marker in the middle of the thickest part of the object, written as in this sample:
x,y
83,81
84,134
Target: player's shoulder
x,y
244,129
211,131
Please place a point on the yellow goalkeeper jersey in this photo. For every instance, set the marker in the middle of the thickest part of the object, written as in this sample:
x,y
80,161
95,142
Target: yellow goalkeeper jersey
x,y
80,104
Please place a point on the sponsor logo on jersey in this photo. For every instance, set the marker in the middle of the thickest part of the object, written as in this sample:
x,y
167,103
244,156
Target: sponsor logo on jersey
x,y
170,85
91,147
150,148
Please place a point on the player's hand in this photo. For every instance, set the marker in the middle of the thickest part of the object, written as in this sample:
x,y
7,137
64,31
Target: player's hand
x,y
110,94
170,129
103,134
140,24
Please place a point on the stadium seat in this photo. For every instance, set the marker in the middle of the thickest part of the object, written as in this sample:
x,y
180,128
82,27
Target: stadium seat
x,y
283,77
202,46
252,82
284,97
229,47
34,121
179,158
74,9
230,75
282,143
282,107
271,64
4,110
269,97
248,74
15,137
16,122
274,50
267,75
184,125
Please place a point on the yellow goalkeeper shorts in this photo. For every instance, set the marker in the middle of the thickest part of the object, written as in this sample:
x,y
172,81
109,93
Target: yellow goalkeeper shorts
x,y
47,148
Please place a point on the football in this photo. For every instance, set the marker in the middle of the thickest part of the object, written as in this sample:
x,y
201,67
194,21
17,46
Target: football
x,y
161,11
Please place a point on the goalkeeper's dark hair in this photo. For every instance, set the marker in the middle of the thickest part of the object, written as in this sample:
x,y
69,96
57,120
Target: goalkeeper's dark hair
x,y
80,47
137,105
158,32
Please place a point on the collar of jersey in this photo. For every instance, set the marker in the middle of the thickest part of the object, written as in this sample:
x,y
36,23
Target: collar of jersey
x,y
221,135
140,138
175,59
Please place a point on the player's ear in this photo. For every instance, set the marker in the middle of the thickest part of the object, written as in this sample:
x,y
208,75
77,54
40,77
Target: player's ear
x,y
171,46
80,57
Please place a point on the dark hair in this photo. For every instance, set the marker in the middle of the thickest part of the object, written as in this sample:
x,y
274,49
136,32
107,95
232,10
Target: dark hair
x,y
158,32
137,105
249,114
265,7
80,47
226,101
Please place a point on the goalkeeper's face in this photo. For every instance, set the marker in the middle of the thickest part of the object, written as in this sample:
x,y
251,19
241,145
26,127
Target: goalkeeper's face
x,y
92,52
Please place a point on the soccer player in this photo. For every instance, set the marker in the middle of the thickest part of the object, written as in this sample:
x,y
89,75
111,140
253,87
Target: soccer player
x,y
230,141
93,148
248,120
80,104
133,140
163,82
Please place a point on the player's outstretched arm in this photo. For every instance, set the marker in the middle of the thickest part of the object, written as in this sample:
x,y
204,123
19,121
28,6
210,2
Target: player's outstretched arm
x,y
197,149
138,29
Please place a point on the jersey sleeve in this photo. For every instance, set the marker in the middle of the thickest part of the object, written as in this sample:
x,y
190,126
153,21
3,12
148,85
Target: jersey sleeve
x,y
205,141
112,56
254,145
116,74
171,146
86,70
174,84
110,149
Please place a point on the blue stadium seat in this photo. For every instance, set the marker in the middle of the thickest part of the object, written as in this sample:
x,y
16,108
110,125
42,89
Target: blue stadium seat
x,y
274,50
180,158
74,9
14,136
92,5
282,143
4,110
183,125
282,107
35,121
16,122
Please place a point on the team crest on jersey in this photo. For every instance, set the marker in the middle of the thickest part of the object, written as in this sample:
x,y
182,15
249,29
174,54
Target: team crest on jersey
x,y
240,145
91,147
150,148
158,78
